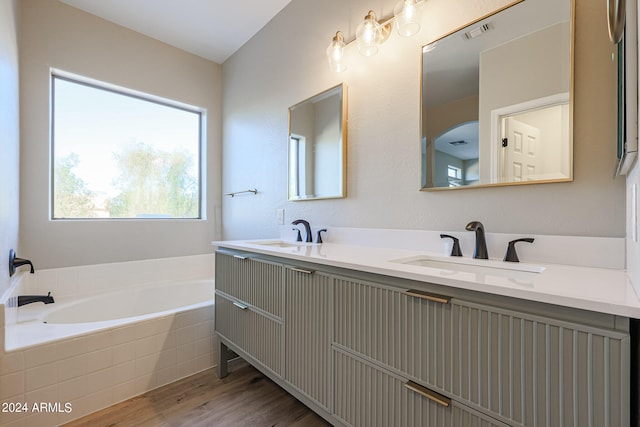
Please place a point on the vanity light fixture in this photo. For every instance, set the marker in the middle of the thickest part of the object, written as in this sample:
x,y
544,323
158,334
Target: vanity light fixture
x,y
371,32
335,53
407,16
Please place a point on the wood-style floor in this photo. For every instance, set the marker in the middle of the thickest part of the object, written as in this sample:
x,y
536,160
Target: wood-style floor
x,y
244,398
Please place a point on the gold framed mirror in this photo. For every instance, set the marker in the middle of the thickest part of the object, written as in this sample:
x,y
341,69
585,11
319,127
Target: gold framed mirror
x,y
318,146
497,99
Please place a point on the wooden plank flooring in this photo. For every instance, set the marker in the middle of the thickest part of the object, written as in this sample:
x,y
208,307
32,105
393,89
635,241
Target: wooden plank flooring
x,y
244,398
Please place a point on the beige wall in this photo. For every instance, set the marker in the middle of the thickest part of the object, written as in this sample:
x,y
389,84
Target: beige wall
x,y
261,82
53,34
9,136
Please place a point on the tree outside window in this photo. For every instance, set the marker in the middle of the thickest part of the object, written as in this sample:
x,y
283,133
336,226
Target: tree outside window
x,y
117,154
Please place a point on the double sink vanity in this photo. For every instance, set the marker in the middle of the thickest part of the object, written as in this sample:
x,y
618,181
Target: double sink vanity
x,y
369,335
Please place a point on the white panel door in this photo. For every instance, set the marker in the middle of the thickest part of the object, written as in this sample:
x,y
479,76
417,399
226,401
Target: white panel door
x,y
522,151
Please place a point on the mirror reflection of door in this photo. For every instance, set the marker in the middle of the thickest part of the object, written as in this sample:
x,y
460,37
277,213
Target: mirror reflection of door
x,y
533,142
520,151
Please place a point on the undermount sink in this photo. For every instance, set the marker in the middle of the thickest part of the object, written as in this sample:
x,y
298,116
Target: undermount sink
x,y
469,265
277,243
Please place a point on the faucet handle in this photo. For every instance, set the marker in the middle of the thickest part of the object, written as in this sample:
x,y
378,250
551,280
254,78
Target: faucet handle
x,y
455,250
511,255
318,236
299,237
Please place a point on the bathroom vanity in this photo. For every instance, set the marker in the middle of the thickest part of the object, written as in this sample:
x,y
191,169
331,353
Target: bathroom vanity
x,y
366,338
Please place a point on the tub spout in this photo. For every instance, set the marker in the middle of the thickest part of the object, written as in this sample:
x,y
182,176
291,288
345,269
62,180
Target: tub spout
x,y
28,299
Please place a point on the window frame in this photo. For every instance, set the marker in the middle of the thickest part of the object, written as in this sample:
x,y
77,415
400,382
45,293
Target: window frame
x,y
132,93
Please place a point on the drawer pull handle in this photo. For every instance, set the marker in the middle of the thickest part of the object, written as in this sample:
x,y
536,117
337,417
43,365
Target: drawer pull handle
x,y
240,257
429,394
240,305
429,297
300,270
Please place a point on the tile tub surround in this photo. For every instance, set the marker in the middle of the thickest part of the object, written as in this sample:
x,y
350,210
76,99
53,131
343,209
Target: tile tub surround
x,y
96,370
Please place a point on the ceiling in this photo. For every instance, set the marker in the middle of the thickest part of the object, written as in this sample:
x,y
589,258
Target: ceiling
x,y
212,29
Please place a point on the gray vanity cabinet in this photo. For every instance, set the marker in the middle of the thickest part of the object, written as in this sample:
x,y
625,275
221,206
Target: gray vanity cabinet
x,y
369,350
307,333
538,370
406,331
520,368
367,395
393,359
249,307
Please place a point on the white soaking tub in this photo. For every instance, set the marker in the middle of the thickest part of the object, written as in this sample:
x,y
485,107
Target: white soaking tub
x,y
107,337
134,304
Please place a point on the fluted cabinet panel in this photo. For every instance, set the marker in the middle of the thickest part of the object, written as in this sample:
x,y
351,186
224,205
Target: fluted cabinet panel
x,y
307,333
369,396
365,350
410,334
253,281
538,371
259,336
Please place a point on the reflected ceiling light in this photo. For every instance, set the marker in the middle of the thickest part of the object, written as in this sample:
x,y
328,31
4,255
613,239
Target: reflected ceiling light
x,y
370,34
335,53
407,15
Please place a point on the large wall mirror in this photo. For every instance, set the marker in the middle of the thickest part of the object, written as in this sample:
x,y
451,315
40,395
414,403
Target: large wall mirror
x,y
317,146
497,99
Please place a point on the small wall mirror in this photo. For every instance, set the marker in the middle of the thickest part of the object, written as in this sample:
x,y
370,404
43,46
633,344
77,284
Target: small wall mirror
x,y
497,99
317,146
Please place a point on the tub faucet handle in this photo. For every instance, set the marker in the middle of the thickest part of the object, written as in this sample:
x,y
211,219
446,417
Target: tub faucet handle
x,y
15,262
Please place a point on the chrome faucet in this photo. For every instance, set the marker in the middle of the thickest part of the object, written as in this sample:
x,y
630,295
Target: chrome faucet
x,y
481,244
307,228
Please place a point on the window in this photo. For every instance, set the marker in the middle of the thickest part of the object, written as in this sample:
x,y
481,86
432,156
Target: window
x,y
121,154
454,175
297,166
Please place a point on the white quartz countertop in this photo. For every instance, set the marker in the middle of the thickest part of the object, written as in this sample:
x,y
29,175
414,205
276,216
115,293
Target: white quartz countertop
x,y
595,289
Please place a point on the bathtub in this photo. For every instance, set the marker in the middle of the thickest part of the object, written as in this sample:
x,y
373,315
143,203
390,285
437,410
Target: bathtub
x,y
129,305
70,316
101,347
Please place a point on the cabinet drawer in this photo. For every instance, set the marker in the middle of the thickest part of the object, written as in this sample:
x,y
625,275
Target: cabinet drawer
x,y
408,333
258,335
536,370
367,396
307,333
251,280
